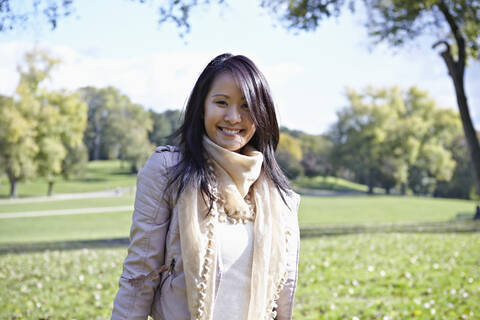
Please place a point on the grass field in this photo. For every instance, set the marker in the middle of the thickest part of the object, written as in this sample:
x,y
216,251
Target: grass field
x,y
314,212
390,276
380,276
332,183
379,209
100,175
360,276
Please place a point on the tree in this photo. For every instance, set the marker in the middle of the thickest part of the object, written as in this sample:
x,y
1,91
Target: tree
x,y
129,126
59,118
117,128
17,143
288,155
62,123
13,16
37,126
462,183
115,124
388,138
97,121
316,150
164,124
455,23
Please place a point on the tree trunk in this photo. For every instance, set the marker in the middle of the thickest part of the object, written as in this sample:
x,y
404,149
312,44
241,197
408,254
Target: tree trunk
x,y
13,185
469,130
370,181
456,70
50,188
403,188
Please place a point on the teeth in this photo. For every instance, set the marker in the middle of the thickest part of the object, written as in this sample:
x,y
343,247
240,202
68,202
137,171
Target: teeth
x,y
231,131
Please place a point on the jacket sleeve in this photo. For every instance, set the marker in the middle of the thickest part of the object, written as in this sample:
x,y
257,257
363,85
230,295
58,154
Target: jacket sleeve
x,y
150,220
286,297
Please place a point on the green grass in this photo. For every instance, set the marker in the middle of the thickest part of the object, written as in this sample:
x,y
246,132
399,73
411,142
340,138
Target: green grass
x,y
67,204
78,284
100,175
378,209
61,228
314,212
396,276
332,183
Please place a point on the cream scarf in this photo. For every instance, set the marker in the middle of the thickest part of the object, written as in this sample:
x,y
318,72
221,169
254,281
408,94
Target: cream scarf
x,y
235,174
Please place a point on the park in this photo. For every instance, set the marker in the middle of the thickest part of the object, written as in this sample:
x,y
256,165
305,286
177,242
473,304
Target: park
x,y
386,159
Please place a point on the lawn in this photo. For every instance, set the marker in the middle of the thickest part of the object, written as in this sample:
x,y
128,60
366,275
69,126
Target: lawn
x,y
379,209
67,204
389,276
367,276
100,175
332,183
314,212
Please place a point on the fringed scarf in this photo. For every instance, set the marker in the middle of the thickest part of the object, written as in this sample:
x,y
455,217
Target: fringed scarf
x,y
235,173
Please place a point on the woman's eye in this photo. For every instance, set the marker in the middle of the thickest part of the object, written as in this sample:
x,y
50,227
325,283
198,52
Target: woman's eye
x,y
221,102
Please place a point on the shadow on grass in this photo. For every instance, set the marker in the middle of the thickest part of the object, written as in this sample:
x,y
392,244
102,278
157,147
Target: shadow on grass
x,y
454,226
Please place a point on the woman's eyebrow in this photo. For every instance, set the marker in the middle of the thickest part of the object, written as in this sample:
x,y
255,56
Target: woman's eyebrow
x,y
224,95
220,95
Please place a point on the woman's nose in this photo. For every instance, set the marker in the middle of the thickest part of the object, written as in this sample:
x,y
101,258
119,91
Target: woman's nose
x,y
232,114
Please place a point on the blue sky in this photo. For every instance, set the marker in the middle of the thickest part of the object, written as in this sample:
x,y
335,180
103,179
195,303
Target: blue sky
x,y
119,43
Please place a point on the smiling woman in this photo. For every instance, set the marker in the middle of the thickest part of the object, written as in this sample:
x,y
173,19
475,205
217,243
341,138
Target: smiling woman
x,y
215,232
228,122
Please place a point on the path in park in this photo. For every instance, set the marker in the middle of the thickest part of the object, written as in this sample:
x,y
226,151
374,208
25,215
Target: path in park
x,y
67,196
63,212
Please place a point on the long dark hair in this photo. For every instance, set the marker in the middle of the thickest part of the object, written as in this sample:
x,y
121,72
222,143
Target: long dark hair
x,y
192,167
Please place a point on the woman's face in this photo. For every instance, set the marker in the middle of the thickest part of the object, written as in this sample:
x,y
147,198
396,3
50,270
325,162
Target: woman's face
x,y
228,121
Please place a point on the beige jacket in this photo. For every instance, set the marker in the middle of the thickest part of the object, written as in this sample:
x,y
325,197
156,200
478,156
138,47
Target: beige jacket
x,y
152,281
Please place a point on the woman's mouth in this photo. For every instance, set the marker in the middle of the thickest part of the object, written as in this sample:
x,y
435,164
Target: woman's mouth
x,y
230,131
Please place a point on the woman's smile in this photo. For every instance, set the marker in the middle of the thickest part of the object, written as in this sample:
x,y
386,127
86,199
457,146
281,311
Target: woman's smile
x,y
227,119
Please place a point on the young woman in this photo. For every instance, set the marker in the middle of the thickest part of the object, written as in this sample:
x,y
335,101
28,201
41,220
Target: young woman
x,y
214,232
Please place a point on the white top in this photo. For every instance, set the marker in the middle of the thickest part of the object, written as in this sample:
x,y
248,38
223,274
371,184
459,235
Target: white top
x,y
235,250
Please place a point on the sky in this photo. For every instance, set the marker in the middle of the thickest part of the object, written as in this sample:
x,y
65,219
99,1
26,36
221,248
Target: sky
x,y
119,43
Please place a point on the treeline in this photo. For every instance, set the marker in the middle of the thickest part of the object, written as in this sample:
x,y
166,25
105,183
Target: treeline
x,y
394,139
120,129
387,138
54,133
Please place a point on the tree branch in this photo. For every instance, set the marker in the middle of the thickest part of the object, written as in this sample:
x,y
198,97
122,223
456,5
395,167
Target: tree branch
x,y
447,56
460,63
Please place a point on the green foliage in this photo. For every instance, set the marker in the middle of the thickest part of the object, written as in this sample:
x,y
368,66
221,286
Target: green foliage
x,y
117,128
290,145
57,119
454,24
289,154
164,124
305,14
38,126
399,21
17,142
388,137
